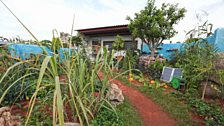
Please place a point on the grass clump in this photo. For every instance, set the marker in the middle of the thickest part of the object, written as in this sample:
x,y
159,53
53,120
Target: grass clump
x,y
126,116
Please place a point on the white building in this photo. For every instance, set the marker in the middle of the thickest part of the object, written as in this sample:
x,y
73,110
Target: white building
x,y
105,36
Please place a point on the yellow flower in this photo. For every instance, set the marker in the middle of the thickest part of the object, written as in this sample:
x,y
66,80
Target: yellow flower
x,y
131,79
27,98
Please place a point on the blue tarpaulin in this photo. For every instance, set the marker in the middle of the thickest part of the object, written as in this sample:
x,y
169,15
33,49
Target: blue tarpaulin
x,y
166,50
24,51
217,39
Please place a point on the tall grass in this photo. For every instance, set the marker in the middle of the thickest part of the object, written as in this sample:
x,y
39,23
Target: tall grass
x,y
78,89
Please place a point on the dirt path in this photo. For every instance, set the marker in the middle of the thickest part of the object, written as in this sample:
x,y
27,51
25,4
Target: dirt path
x,y
150,112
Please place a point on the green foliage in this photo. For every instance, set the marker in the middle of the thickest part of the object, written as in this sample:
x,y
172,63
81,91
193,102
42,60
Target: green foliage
x,y
56,44
77,40
5,62
197,62
213,114
81,82
131,58
40,117
23,87
126,116
191,40
18,92
77,89
118,43
107,118
153,24
46,43
155,69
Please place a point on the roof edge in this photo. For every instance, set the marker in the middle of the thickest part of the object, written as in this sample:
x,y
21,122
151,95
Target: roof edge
x,y
105,27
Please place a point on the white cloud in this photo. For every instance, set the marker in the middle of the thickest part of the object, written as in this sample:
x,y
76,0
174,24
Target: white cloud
x,y
41,16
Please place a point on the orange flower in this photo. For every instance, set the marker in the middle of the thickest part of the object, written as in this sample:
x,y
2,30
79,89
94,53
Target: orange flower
x,y
152,82
165,86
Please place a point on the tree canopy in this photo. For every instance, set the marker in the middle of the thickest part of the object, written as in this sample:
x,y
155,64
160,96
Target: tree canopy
x,y
77,40
118,43
154,25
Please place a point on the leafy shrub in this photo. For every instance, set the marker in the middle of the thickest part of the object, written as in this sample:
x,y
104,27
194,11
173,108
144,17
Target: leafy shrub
x,y
213,114
155,69
40,117
22,89
107,117
131,59
197,62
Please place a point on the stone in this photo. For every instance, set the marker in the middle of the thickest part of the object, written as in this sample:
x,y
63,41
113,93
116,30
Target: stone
x,y
219,65
115,94
4,109
2,121
210,91
6,119
14,123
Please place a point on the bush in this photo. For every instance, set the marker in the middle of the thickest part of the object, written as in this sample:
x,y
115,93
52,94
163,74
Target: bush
x,y
197,62
213,114
106,117
131,57
155,69
22,89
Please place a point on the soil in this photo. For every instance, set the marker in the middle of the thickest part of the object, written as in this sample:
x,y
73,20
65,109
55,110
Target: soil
x,y
198,119
2,69
21,109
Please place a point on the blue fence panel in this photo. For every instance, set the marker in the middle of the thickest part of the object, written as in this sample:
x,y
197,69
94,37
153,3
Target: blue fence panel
x,y
217,39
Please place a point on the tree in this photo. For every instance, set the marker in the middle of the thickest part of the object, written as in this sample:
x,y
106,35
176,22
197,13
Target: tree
x,y
77,40
118,43
153,25
46,43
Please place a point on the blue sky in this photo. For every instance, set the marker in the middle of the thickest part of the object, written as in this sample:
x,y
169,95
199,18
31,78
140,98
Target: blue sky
x,y
42,16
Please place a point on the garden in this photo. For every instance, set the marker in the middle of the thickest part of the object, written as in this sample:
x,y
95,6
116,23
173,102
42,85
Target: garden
x,y
63,86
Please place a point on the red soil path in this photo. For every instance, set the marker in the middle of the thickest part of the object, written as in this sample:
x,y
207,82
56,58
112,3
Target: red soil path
x,y
150,112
